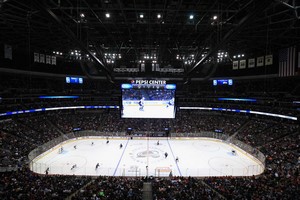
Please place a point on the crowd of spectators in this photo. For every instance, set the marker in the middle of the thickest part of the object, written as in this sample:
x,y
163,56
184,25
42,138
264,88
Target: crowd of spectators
x,y
182,188
148,94
23,184
117,188
131,188
281,178
260,131
277,139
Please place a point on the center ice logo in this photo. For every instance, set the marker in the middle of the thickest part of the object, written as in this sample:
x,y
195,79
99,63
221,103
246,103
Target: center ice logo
x,y
150,153
140,154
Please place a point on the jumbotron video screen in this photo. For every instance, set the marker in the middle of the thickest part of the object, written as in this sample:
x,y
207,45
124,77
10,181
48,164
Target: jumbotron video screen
x,y
148,99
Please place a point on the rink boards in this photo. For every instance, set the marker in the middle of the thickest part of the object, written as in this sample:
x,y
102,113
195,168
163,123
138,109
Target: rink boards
x,y
198,157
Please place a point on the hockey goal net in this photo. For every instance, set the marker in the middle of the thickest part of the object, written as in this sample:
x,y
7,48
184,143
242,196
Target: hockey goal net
x,y
162,171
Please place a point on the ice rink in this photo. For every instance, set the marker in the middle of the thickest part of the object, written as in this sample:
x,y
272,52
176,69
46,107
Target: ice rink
x,y
143,156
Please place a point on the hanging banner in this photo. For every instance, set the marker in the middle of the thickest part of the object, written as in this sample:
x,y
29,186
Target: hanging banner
x,y
269,60
235,65
36,57
48,59
42,58
242,64
251,62
53,60
260,61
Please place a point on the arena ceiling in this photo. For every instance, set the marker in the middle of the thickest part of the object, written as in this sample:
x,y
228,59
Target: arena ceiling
x,y
189,32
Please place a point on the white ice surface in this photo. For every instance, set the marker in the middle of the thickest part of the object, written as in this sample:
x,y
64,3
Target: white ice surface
x,y
197,157
149,111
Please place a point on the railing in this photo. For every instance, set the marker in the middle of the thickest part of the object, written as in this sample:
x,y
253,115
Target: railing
x,y
138,171
221,136
49,145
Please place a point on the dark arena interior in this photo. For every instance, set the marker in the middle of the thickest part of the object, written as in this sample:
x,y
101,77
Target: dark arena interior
x,y
141,71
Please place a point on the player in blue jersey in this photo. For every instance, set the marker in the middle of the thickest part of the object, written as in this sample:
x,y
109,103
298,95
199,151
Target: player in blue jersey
x,y
141,104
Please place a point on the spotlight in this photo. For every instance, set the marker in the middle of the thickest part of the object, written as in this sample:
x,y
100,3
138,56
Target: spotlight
x,y
82,15
107,15
141,16
215,17
191,16
158,16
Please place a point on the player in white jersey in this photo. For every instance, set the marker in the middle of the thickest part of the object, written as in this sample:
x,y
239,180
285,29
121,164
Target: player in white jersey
x,y
170,102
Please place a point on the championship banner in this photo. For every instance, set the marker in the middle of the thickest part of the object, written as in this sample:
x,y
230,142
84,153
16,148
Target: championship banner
x,y
8,51
251,62
260,61
242,64
42,58
48,59
269,60
36,57
143,67
157,67
53,60
235,65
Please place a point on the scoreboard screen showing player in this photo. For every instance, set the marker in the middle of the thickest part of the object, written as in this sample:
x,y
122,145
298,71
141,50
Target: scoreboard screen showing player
x,y
148,100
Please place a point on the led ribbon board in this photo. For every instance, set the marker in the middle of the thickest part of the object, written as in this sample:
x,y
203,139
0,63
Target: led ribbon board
x,y
222,82
55,108
58,97
74,80
241,111
236,99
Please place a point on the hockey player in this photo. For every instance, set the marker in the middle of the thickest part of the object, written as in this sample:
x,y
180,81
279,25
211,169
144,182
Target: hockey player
x,y
233,152
141,104
170,102
74,166
97,166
